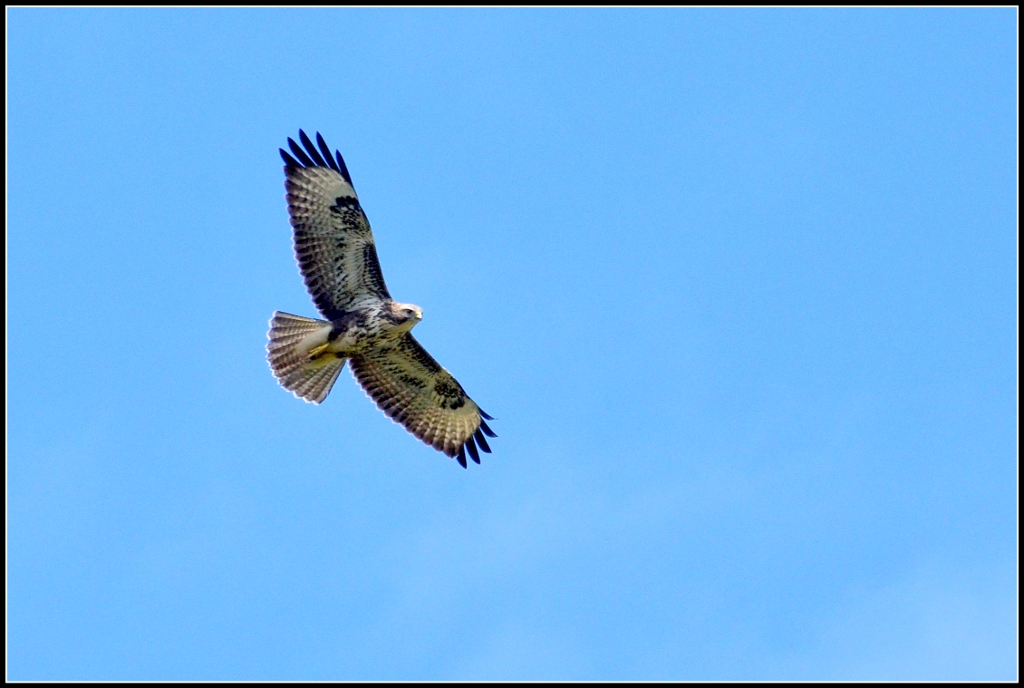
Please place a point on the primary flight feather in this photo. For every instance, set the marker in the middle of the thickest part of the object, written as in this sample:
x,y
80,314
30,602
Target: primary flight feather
x,y
364,326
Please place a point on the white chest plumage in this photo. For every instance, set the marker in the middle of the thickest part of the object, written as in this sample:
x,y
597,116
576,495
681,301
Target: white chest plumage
x,y
363,329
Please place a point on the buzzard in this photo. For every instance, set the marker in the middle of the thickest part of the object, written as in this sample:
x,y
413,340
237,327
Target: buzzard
x,y
363,325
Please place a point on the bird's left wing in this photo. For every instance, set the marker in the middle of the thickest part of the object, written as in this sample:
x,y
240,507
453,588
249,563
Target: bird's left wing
x,y
333,242
411,388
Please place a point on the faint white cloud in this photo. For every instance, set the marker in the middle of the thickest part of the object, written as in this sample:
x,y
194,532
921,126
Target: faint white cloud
x,y
936,624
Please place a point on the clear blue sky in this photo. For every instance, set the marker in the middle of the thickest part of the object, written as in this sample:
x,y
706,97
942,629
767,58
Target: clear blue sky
x,y
739,286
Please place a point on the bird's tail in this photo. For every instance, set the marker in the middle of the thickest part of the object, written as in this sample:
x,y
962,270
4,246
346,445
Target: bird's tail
x,y
306,373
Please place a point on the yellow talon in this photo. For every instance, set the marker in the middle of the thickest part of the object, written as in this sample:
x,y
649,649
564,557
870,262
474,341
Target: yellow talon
x,y
316,351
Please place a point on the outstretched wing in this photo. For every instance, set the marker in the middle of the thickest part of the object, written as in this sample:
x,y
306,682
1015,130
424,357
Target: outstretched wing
x,y
333,241
410,387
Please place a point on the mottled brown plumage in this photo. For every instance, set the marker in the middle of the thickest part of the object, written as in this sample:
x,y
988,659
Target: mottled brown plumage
x,y
364,325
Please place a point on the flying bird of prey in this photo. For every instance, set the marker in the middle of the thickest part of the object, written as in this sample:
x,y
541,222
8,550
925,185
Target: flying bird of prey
x,y
364,325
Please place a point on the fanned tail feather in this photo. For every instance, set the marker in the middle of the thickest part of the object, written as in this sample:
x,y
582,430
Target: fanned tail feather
x,y
290,339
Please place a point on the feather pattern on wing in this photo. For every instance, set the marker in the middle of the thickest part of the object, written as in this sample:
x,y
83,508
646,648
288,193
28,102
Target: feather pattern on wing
x,y
411,388
333,242
338,261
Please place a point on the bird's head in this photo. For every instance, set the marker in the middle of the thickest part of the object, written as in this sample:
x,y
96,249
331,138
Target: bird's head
x,y
406,315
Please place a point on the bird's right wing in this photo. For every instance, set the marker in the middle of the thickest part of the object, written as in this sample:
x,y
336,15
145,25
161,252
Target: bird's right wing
x,y
333,242
410,387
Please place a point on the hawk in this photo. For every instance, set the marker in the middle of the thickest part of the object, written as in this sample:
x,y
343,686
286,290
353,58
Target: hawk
x,y
363,325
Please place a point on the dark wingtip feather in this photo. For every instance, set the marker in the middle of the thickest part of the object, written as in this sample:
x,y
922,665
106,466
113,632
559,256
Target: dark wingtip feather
x,y
344,168
481,441
311,149
462,456
299,153
487,429
472,449
289,161
484,413
325,149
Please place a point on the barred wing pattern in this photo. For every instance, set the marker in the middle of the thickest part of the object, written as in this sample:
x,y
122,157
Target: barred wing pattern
x,y
333,242
411,388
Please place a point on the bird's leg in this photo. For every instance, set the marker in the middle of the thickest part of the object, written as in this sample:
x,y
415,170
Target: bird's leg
x,y
318,351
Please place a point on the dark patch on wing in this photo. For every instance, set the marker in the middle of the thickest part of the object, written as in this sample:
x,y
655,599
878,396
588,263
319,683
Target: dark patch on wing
x,y
452,396
444,389
413,381
345,203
